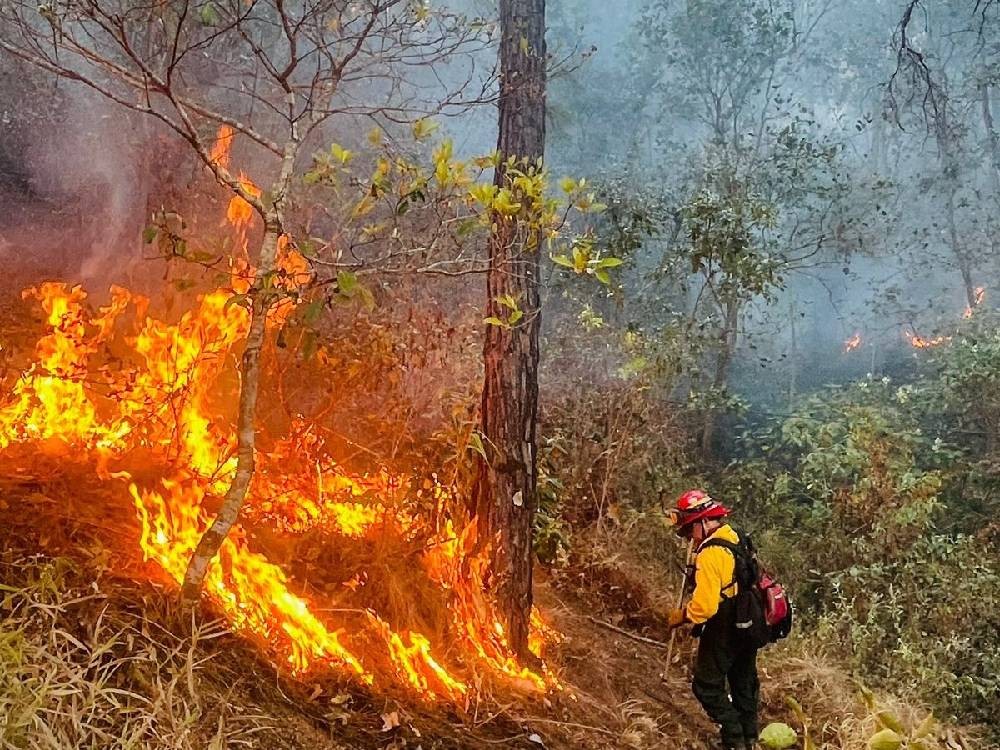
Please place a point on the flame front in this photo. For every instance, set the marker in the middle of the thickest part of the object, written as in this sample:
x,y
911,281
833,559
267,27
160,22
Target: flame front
x,y
118,385
162,400
852,343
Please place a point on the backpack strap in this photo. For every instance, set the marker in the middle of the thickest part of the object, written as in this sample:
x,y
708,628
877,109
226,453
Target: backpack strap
x,y
733,550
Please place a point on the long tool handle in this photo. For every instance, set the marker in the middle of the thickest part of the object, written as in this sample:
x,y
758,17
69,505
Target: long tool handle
x,y
680,603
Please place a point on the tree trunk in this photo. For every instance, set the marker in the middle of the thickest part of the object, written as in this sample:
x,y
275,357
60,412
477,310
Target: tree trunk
x,y
963,261
794,359
947,148
727,345
992,141
211,541
504,496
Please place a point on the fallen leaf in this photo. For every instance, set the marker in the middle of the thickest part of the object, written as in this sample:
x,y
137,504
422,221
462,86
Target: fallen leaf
x,y
390,721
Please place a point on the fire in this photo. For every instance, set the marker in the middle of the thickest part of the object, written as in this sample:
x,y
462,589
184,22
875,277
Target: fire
x,y
164,399
240,213
978,297
919,342
222,147
118,383
852,343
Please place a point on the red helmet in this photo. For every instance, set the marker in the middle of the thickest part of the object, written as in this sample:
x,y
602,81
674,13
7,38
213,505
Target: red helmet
x,y
694,506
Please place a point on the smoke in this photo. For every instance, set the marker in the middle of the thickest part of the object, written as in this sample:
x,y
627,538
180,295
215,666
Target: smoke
x,y
77,200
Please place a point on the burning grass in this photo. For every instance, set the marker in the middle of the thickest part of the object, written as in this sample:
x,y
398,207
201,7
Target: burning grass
x,y
91,659
144,403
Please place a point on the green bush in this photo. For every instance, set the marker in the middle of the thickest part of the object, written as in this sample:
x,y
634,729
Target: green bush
x,y
858,502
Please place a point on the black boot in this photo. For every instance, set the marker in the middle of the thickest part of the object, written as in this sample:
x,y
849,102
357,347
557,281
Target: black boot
x,y
724,744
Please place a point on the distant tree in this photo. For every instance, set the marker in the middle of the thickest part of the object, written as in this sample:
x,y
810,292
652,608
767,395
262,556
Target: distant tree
x,y
729,72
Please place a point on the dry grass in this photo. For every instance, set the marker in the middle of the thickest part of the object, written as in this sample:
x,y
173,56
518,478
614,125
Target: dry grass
x,y
77,672
832,700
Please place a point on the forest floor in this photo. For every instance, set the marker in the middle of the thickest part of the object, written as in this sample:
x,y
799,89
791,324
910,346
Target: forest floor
x,y
92,652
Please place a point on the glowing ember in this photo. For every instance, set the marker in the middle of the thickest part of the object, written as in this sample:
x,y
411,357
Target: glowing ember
x,y
852,343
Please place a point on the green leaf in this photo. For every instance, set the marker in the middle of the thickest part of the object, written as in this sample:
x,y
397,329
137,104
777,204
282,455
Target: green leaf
x,y
149,234
601,275
308,247
926,727
243,300
778,736
363,207
483,193
340,153
494,321
889,720
309,345
466,227
367,298
869,698
887,739
476,444
312,311
797,710
608,263
505,204
563,260
209,14
423,128
347,283
508,301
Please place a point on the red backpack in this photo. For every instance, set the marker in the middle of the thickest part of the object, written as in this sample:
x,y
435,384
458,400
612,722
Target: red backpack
x,y
763,609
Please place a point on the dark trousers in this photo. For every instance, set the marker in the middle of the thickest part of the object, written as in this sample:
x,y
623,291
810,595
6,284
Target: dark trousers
x,y
721,659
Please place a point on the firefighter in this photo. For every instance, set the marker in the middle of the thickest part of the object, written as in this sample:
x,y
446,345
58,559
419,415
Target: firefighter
x,y
722,656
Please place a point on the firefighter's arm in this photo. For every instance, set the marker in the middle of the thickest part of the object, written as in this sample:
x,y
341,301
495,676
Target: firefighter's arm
x,y
713,570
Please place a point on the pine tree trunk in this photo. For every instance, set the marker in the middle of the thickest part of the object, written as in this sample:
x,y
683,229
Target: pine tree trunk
x,y
505,493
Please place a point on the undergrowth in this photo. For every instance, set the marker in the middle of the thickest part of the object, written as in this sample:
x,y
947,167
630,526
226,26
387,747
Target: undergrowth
x,y
83,668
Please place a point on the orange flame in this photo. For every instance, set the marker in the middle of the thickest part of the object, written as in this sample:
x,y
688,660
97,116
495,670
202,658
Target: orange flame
x,y
219,153
164,402
919,342
852,343
164,395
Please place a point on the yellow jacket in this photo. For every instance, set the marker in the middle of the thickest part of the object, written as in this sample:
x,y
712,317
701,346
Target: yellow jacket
x,y
714,577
